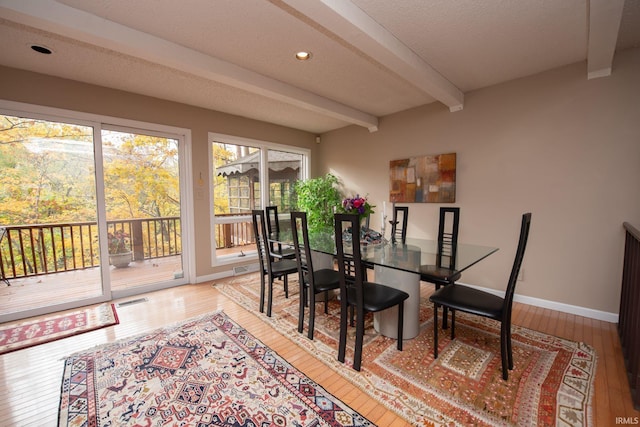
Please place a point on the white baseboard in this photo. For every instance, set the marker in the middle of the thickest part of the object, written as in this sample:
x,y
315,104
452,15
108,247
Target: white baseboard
x,y
558,306
232,271
215,276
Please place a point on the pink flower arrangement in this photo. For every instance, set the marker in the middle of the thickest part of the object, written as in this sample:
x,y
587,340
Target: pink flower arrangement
x,y
357,205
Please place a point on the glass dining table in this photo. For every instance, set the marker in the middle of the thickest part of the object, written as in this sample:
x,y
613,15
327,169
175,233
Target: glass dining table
x,y
399,265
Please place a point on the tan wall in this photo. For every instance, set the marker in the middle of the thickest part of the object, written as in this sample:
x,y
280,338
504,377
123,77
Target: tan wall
x,y
22,86
565,148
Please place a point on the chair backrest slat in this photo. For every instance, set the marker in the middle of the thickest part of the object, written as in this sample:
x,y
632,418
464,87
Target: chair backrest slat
x,y
448,236
350,266
272,220
517,263
301,246
399,223
273,225
260,232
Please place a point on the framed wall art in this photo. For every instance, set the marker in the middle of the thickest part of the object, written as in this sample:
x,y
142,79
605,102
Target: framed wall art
x,y
423,179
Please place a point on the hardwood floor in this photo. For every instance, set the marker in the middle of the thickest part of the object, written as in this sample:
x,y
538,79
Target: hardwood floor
x,y
30,378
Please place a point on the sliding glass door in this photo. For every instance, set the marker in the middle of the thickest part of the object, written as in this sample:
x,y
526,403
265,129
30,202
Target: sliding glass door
x,y
142,200
49,247
88,212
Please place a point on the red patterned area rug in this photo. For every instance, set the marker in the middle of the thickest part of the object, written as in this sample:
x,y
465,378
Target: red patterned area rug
x,y
551,384
19,335
206,371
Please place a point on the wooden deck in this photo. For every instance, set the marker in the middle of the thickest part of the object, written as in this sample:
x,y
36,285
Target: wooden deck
x,y
58,288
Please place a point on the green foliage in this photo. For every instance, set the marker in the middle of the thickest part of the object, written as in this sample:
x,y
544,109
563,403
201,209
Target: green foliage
x,y
318,197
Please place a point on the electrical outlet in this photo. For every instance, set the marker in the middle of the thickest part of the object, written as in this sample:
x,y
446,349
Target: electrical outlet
x,y
521,275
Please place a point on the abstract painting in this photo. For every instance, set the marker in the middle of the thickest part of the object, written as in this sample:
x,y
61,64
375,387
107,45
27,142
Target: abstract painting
x,y
423,179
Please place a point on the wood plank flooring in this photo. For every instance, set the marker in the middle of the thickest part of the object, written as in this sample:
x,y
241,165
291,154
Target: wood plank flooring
x,y
30,378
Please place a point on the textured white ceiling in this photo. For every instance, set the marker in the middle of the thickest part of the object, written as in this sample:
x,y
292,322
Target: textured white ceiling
x,y
238,56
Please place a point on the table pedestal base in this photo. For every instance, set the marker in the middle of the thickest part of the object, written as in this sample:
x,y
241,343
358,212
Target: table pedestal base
x,y
386,322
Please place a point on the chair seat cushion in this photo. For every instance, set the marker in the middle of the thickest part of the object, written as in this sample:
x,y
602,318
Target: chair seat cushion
x,y
379,297
439,275
285,266
326,279
470,300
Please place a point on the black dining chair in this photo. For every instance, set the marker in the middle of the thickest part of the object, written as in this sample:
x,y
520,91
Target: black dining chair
x,y
268,266
443,271
311,281
273,226
470,300
399,224
362,295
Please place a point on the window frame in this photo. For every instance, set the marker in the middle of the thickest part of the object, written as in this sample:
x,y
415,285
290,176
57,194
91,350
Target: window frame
x,y
264,147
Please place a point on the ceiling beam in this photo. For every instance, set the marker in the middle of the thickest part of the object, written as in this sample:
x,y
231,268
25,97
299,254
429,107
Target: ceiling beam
x,y
604,24
54,17
353,25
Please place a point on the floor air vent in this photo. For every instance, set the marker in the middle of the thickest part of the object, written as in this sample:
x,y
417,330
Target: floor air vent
x,y
131,302
243,269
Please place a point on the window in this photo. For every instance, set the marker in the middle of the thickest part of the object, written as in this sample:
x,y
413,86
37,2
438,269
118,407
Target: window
x,y
247,175
284,170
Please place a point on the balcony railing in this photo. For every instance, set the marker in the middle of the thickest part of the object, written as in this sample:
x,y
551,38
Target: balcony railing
x,y
32,250
233,231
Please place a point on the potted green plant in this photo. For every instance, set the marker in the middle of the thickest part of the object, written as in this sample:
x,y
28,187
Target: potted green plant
x,y
318,197
119,249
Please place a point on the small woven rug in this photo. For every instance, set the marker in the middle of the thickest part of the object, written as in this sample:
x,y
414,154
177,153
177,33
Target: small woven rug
x,y
23,334
206,371
551,383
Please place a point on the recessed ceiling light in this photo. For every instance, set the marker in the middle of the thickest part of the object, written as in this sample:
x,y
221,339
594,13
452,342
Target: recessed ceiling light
x,y
303,56
41,49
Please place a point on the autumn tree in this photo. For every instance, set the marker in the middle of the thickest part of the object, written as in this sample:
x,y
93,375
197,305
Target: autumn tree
x,y
46,172
141,176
